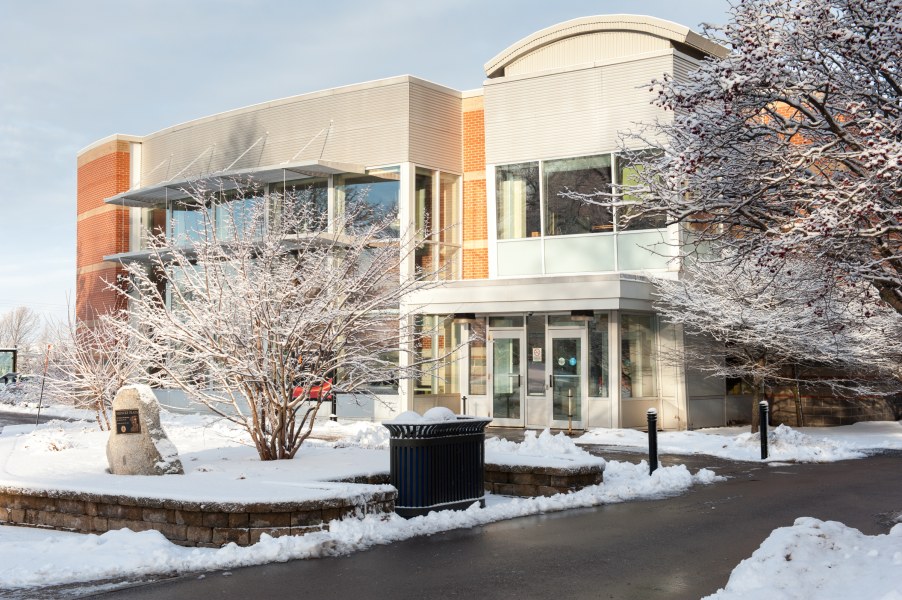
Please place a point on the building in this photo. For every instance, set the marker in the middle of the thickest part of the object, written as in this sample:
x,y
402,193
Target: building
x,y
549,295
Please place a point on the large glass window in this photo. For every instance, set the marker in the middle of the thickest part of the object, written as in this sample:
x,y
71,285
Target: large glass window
x,y
186,223
437,218
438,341
630,176
373,197
586,175
517,199
449,235
235,215
637,345
311,194
425,223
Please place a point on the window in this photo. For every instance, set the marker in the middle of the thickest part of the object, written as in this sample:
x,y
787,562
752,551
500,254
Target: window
x,y
236,214
535,366
567,216
517,200
185,222
637,345
449,234
436,206
437,342
630,173
477,366
312,196
374,195
599,357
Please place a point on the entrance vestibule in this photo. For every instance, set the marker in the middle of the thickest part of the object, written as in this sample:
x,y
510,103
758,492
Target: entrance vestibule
x,y
546,370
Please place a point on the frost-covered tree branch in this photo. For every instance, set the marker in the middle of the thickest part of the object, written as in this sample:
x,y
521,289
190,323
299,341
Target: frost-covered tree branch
x,y
791,144
89,365
767,324
267,304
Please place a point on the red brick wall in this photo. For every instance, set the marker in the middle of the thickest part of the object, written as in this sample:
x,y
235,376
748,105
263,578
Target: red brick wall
x,y
475,221
103,171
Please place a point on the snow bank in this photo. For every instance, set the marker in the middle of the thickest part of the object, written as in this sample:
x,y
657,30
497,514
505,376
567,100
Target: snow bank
x,y
545,450
820,559
810,444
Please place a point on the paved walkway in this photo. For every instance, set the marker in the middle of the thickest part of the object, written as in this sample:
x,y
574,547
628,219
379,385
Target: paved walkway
x,y
682,547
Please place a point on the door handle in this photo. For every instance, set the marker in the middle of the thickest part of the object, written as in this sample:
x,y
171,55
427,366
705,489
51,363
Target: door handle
x,y
551,381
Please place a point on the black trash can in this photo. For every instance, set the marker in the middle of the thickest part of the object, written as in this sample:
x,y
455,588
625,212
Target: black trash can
x,y
438,465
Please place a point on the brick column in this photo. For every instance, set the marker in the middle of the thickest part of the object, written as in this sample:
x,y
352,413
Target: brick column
x,y
475,222
102,229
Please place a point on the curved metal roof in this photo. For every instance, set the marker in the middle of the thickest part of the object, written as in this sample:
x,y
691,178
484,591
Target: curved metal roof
x,y
638,23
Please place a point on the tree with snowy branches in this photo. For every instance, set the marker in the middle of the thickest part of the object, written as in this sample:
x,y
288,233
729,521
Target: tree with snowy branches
x,y
791,144
88,365
767,327
271,305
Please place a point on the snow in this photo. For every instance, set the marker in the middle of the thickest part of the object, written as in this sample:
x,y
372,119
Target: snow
x,y
437,414
221,466
806,444
819,559
542,450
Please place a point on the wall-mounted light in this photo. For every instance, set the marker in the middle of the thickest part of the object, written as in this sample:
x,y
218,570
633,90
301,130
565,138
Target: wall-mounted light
x,y
582,315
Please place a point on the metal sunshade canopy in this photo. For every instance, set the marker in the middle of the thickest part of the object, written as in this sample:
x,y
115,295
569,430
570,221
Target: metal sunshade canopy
x,y
227,180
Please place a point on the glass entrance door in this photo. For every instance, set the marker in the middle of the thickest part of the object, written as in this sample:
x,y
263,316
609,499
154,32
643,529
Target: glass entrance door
x,y
566,377
507,379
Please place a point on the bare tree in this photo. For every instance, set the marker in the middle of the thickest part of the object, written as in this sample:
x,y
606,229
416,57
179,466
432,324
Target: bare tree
x,y
270,305
792,143
19,327
90,364
768,324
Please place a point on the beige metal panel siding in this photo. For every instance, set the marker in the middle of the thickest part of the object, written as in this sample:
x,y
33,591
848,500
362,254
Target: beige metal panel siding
x,y
682,66
551,115
436,128
587,48
627,99
572,113
369,126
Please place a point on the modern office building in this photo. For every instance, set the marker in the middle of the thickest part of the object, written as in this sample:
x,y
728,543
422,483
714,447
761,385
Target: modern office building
x,y
550,297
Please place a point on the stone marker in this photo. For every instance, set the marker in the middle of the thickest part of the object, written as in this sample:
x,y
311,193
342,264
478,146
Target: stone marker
x,y
138,445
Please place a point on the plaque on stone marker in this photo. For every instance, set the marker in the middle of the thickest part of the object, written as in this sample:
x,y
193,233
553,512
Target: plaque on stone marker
x,y
127,421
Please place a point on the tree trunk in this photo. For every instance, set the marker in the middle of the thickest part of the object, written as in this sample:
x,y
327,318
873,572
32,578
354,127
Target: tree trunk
x,y
800,421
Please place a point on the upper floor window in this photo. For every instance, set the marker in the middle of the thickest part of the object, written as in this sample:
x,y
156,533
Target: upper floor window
x,y
532,198
374,196
517,201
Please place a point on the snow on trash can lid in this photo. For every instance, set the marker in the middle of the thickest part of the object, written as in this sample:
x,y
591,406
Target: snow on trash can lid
x,y
438,414
436,421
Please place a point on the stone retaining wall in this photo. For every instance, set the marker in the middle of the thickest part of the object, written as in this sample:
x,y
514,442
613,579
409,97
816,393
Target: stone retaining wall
x,y
208,525
518,480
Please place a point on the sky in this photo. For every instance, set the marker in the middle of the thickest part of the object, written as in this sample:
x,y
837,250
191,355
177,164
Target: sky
x,y
75,72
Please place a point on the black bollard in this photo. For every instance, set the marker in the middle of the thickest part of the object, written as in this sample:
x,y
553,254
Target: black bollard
x,y
762,427
652,440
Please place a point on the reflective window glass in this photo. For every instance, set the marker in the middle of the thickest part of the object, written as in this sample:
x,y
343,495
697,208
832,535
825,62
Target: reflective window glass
x,y
517,201
585,175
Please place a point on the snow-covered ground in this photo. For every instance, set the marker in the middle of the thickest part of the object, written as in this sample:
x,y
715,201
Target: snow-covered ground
x,y
805,444
220,466
811,555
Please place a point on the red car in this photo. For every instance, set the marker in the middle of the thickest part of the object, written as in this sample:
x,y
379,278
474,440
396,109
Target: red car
x,y
324,390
